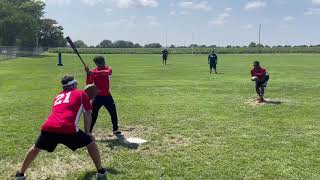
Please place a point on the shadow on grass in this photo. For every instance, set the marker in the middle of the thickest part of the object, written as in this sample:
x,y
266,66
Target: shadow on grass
x,y
119,142
273,102
92,174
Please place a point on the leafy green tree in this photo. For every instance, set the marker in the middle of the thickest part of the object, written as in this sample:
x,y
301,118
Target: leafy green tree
x,y
51,34
252,45
153,45
80,44
106,44
123,44
20,21
137,45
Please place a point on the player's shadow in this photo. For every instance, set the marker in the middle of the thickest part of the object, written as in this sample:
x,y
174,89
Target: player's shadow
x,y
92,174
119,142
273,102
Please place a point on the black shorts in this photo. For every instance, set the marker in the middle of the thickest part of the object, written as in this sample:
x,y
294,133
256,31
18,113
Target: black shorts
x,y
49,141
213,65
262,83
165,58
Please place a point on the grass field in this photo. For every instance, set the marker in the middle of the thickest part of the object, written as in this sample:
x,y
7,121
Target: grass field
x,y
198,126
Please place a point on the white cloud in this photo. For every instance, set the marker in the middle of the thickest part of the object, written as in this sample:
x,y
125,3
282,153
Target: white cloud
x,y
256,4
247,27
172,13
316,2
183,13
310,12
92,2
202,5
222,18
108,11
289,18
136,3
57,2
152,21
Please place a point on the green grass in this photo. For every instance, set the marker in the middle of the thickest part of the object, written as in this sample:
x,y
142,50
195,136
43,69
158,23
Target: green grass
x,y
198,126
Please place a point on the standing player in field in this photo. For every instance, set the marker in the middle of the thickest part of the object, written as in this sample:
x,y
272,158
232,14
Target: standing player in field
x,y
165,54
261,77
100,76
213,61
61,127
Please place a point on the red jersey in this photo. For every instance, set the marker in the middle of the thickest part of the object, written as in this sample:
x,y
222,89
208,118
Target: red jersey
x,y
66,111
101,78
258,73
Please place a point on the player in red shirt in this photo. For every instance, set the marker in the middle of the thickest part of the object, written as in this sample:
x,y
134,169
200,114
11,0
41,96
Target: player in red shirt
x,y
61,127
261,77
100,76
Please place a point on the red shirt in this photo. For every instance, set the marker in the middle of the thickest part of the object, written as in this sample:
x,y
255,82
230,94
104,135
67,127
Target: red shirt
x,y
101,78
258,73
66,112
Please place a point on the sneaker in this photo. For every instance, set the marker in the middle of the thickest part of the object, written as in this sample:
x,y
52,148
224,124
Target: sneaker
x,y
117,132
102,174
20,176
260,100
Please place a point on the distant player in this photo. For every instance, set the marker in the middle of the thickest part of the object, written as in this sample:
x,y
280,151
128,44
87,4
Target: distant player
x,y
100,76
261,78
165,54
213,61
61,127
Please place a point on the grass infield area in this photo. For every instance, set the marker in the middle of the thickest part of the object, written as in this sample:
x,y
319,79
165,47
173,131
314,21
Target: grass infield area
x,y
198,126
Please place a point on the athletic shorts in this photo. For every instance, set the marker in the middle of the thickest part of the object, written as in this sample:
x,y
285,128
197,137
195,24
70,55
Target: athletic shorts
x,y
49,141
262,83
165,58
213,65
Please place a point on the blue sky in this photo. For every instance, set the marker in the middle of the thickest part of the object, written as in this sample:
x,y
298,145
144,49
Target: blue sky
x,y
179,22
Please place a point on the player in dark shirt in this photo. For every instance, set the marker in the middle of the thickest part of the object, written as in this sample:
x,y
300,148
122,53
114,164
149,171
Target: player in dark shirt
x,y
213,61
261,77
165,54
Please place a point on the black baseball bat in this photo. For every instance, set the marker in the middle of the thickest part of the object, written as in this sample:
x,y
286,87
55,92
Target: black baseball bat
x,y
75,49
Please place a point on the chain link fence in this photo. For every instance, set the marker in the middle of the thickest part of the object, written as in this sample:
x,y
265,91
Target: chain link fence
x,y
12,52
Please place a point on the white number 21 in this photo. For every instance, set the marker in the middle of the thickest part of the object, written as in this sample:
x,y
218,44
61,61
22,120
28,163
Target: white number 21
x,y
60,97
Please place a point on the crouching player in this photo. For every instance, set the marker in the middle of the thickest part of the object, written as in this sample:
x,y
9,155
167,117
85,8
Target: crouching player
x,y
261,77
61,127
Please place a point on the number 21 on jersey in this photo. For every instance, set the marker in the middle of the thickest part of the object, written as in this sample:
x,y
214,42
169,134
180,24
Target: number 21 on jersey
x,y
62,98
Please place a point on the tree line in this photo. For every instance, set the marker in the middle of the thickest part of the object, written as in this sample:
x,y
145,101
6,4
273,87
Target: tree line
x,y
22,23
129,44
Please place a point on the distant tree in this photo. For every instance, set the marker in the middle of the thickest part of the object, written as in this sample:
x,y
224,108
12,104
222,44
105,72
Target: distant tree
x,y
91,46
267,46
51,34
123,44
98,46
213,46
203,46
237,47
153,45
80,44
172,46
137,45
229,46
193,45
260,45
252,44
106,44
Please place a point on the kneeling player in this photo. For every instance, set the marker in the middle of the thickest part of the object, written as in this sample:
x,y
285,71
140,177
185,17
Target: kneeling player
x,y
261,77
61,127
